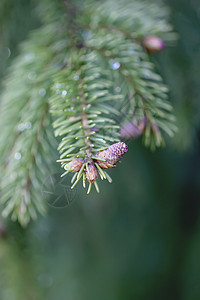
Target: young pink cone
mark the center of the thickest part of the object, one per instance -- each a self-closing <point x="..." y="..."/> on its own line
<point x="153" y="44"/>
<point x="132" y="131"/>
<point x="74" y="165"/>
<point x="91" y="173"/>
<point x="112" y="155"/>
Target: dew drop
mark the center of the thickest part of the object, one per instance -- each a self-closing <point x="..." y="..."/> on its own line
<point x="117" y="89"/>
<point x="32" y="76"/>
<point x="86" y="34"/>
<point x="76" y="77"/>
<point x="29" y="57"/>
<point x="64" y="93"/>
<point x="28" y="125"/>
<point x="71" y="108"/>
<point x="58" y="85"/>
<point x="147" y="74"/>
<point x="21" y="127"/>
<point x="88" y="106"/>
<point x="42" y="92"/>
<point x="18" y="156"/>
<point x="115" y="65"/>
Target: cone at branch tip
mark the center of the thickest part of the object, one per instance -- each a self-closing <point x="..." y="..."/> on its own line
<point x="131" y="131"/>
<point x="74" y="165"/>
<point x="112" y="155"/>
<point x="91" y="172"/>
<point x="153" y="44"/>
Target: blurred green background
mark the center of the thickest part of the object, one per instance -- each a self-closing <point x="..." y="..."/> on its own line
<point x="140" y="237"/>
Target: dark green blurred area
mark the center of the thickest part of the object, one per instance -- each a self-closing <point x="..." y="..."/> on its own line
<point x="140" y="238"/>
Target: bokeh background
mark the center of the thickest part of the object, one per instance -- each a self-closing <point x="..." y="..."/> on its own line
<point x="140" y="237"/>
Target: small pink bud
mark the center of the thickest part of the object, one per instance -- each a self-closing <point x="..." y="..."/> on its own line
<point x="153" y="44"/>
<point x="129" y="131"/>
<point x="74" y="165"/>
<point x="91" y="173"/>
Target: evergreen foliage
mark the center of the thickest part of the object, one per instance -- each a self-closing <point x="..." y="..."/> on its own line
<point x="86" y="68"/>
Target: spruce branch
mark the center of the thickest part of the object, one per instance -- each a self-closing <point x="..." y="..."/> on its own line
<point x="81" y="103"/>
<point x="132" y="67"/>
<point x="89" y="68"/>
<point x="134" y="19"/>
<point x="27" y="142"/>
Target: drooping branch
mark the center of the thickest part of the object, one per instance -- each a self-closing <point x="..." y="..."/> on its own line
<point x="92" y="71"/>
